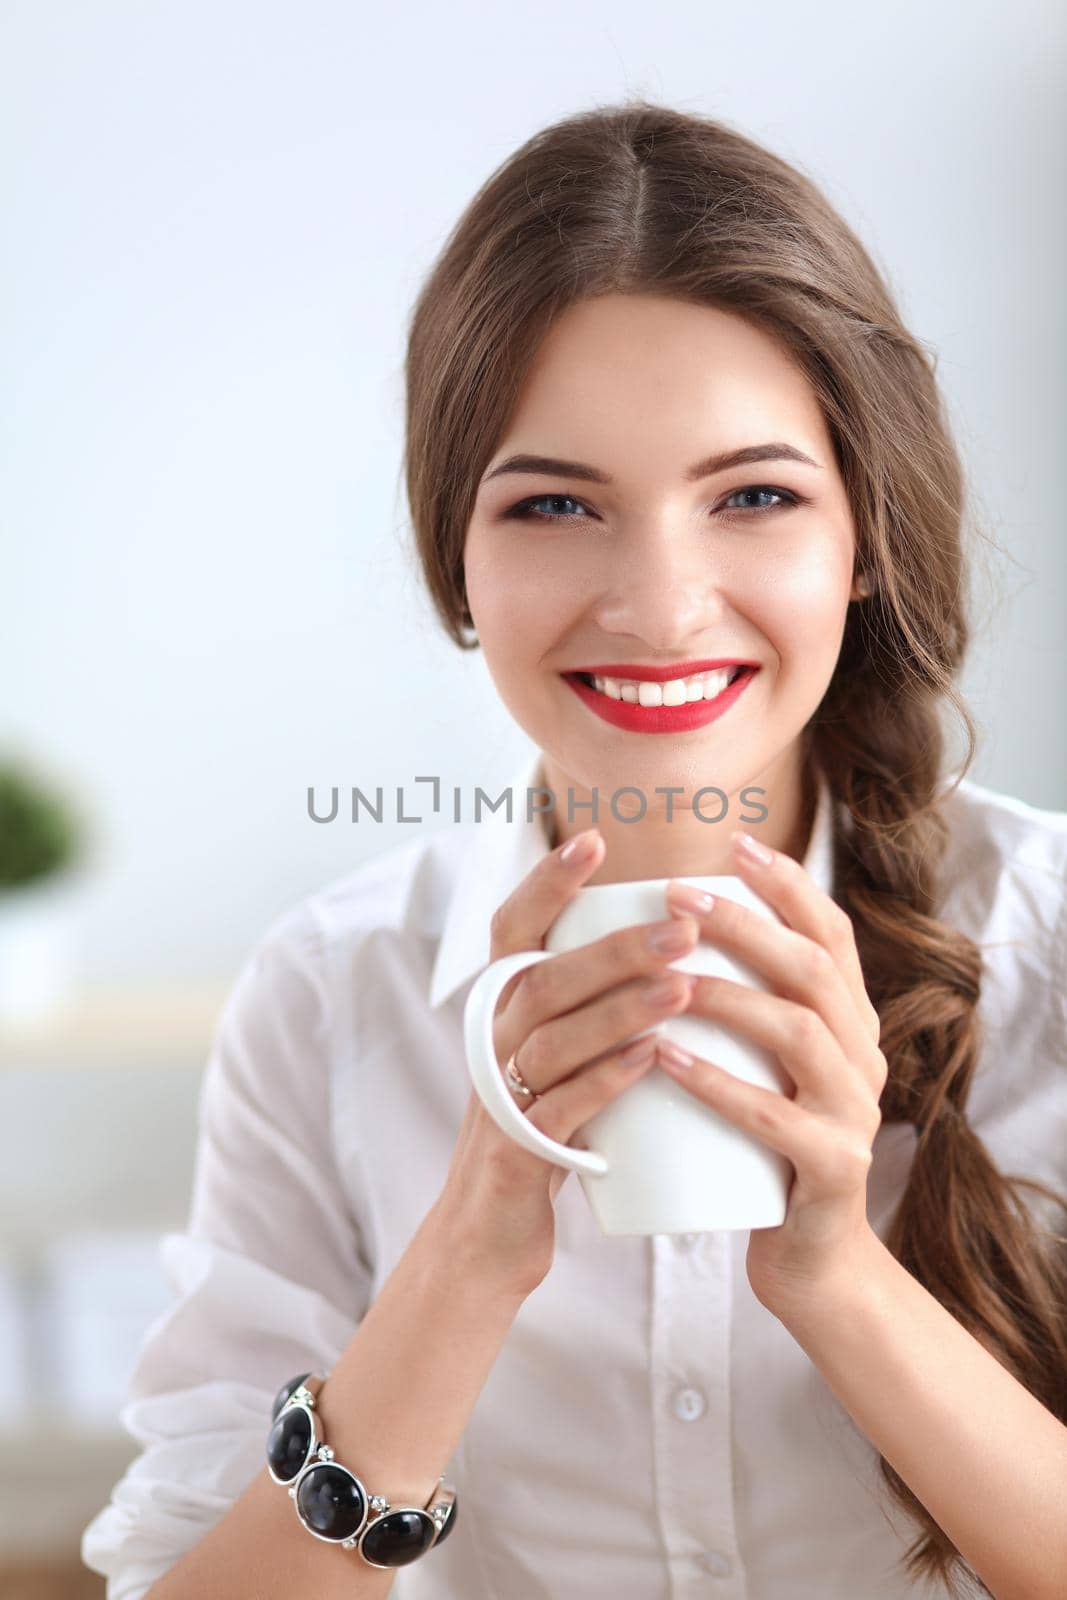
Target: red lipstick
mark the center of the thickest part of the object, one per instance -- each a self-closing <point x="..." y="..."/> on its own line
<point x="660" y="719"/>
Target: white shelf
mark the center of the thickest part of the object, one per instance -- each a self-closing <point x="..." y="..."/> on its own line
<point x="115" y="1026"/>
<point x="104" y="1094"/>
<point x="102" y="1168"/>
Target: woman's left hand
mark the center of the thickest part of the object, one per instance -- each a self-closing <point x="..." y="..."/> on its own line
<point x="822" y="1027"/>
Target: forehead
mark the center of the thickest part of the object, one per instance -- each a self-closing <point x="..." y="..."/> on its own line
<point x="663" y="378"/>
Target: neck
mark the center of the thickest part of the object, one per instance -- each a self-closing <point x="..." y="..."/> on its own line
<point x="684" y="842"/>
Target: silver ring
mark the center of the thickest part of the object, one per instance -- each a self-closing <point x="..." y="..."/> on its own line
<point x="516" y="1080"/>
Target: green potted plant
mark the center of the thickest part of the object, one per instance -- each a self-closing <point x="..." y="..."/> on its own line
<point x="42" y="836"/>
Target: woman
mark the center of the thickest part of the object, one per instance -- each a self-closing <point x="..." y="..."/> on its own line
<point x="663" y="421"/>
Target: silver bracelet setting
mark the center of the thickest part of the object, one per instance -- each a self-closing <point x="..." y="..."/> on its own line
<point x="332" y="1502"/>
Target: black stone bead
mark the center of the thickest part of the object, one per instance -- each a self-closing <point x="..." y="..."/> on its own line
<point x="285" y="1391"/>
<point x="330" y="1501"/>
<point x="399" y="1537"/>
<point x="288" y="1443"/>
<point x="448" y="1524"/>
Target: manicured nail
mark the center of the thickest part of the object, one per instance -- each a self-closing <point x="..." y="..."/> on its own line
<point x="684" y="894"/>
<point x="673" y="938"/>
<point x="638" y="1050"/>
<point x="674" y="1053"/>
<point x="664" y="991"/>
<point x="753" y="849"/>
<point x="580" y="848"/>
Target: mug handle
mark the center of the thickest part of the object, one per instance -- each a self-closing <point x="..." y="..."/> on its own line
<point x="488" y="1079"/>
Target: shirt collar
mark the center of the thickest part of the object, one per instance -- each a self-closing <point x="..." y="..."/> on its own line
<point x="500" y="853"/>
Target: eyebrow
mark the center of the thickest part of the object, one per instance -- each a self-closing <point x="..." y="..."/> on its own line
<point x="549" y="467"/>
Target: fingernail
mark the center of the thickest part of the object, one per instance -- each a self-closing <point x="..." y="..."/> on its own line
<point x="638" y="1050"/>
<point x="663" y="991"/>
<point x="698" y="900"/>
<point x="580" y="848"/>
<point x="674" y="1053"/>
<point x="752" y="848"/>
<point x="673" y="939"/>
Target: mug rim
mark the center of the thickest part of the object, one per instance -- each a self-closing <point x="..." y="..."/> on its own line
<point x="700" y="880"/>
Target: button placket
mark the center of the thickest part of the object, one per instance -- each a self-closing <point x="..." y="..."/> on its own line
<point x="692" y="1298"/>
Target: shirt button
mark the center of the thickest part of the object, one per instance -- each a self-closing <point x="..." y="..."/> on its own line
<point x="718" y="1563"/>
<point x="689" y="1404"/>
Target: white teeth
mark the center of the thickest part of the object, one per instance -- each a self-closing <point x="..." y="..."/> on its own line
<point x="676" y="692"/>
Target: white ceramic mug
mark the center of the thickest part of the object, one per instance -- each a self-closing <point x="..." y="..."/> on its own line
<point x="655" y="1159"/>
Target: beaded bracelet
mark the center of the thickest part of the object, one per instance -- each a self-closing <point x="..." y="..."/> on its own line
<point x="331" y="1501"/>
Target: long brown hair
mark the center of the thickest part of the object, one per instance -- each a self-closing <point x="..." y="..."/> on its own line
<point x="640" y="198"/>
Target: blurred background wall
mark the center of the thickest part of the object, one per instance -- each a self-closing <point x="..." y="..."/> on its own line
<point x="217" y="217"/>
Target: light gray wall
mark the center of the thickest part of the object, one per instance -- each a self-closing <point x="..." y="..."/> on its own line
<point x="218" y="215"/>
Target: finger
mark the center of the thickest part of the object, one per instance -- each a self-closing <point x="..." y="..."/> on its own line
<point x="569" y="1105"/>
<point x="555" y="1048"/>
<point x="575" y="978"/>
<point x="521" y="921"/>
<point x="786" y="885"/>
<point x="831" y="1157"/>
<point x="795" y="1034"/>
<point x="795" y="966"/>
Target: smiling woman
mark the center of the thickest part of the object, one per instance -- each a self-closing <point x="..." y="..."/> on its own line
<point x="673" y="456"/>
<point x="679" y="289"/>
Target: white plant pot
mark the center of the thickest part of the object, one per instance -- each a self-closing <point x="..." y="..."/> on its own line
<point x="37" y="950"/>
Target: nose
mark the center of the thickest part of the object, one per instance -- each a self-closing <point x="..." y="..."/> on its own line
<point x="662" y="589"/>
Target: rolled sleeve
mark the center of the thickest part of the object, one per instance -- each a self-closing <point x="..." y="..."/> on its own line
<point x="269" y="1279"/>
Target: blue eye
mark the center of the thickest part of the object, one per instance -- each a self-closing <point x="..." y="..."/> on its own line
<point x="526" y="509"/>
<point x="782" y="495"/>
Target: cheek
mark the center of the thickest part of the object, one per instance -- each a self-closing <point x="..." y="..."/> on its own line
<point x="801" y="606"/>
<point x="516" y="596"/>
<point x="489" y="592"/>
<point x="509" y="611"/>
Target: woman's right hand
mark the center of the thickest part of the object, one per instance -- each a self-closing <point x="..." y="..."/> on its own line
<point x="565" y="1020"/>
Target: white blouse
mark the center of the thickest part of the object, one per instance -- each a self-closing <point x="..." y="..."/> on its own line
<point x="649" y="1431"/>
